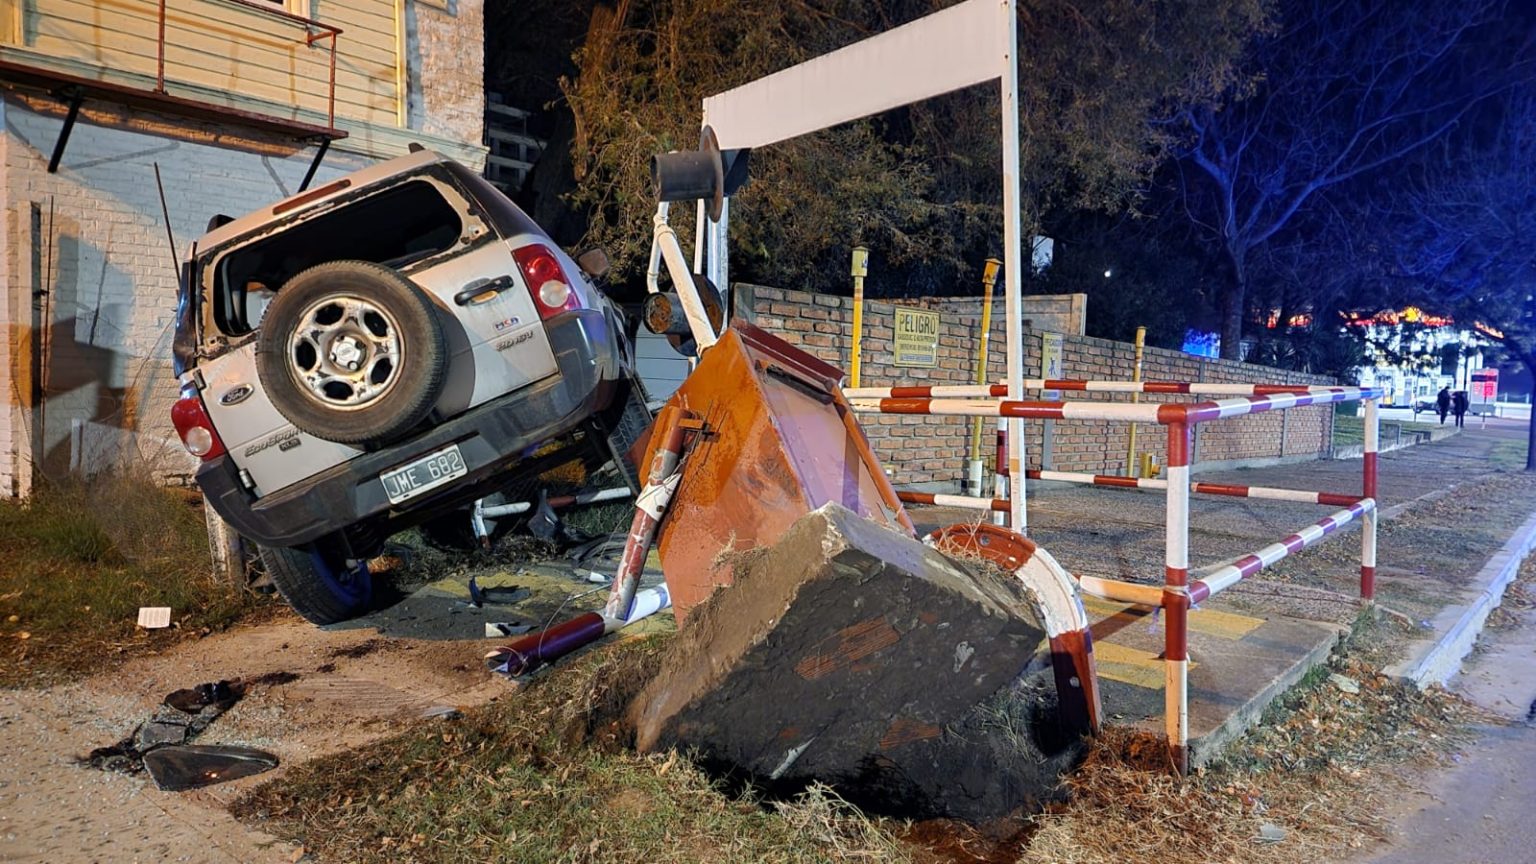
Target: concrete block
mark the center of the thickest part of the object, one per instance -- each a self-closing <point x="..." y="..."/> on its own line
<point x="854" y="655"/>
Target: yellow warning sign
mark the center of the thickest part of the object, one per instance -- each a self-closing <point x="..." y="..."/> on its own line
<point x="917" y="338"/>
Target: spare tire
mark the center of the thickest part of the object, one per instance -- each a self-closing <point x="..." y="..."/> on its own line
<point x="352" y="352"/>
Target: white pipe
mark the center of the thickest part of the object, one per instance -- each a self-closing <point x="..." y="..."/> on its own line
<point x="653" y="271"/>
<point x="499" y="510"/>
<point x="1013" y="266"/>
<point x="704" y="335"/>
<point x="1122" y="592"/>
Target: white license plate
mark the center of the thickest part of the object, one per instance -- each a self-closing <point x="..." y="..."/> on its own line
<point x="423" y="475"/>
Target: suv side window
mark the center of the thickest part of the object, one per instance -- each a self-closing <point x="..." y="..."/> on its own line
<point x="397" y="227"/>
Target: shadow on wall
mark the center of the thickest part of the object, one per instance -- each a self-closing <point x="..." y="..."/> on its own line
<point x="83" y="395"/>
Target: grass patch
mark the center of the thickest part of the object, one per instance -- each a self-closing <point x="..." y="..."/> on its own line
<point x="548" y="775"/>
<point x="78" y="559"/>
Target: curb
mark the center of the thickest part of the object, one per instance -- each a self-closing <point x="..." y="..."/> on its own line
<point x="1434" y="661"/>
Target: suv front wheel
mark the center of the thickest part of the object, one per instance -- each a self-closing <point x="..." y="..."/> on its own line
<point x="319" y="582"/>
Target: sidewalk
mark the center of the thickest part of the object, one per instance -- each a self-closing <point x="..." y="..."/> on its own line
<point x="1447" y="508"/>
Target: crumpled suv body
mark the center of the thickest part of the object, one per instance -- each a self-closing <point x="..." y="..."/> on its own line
<point x="381" y="350"/>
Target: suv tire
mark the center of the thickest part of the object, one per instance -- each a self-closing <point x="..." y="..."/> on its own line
<point x="352" y="352"/>
<point x="319" y="583"/>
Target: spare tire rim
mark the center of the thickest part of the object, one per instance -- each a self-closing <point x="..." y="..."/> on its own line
<point x="346" y="352"/>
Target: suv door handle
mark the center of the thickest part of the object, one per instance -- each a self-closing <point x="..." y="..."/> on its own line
<point x="477" y="289"/>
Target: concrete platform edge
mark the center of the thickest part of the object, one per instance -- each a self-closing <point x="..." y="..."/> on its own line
<point x="1435" y="660"/>
<point x="1207" y="747"/>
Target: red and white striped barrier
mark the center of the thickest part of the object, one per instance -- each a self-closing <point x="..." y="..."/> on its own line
<point x="1227" y="575"/>
<point x="984" y="391"/>
<point x="1177" y="593"/>
<point x="1272" y="493"/>
<point x="1125" y="412"/>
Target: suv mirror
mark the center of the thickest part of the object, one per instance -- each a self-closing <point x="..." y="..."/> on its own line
<point x="594" y="263"/>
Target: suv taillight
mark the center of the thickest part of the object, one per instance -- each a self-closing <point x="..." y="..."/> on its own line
<point x="551" y="289"/>
<point x="191" y="421"/>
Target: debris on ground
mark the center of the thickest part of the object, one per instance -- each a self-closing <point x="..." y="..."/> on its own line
<point x="180" y="767"/>
<point x="154" y="617"/>
<point x="159" y="744"/>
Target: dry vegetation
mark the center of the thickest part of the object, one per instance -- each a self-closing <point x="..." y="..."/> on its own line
<point x="548" y="775"/>
<point x="1310" y="783"/>
<point x="78" y="559"/>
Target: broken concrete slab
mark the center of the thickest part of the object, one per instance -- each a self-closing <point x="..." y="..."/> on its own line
<point x="855" y="655"/>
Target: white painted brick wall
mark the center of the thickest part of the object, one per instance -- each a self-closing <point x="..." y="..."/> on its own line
<point x="112" y="283"/>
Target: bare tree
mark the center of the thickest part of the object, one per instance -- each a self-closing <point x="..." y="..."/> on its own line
<point x="1468" y="218"/>
<point x="1341" y="88"/>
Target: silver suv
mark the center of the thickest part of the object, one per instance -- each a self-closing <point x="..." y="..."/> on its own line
<point x="376" y="352"/>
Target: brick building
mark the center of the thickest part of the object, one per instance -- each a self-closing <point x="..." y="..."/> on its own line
<point x="236" y="102"/>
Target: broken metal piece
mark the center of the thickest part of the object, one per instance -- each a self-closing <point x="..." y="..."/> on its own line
<point x="179" y="767"/>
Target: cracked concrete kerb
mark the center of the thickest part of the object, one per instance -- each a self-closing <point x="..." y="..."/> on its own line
<point x="1455" y="630"/>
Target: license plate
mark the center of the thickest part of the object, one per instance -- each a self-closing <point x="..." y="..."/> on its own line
<point x="423" y="475"/>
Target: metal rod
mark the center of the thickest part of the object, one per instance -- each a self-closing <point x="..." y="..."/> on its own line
<point x="69" y="126"/>
<point x="1013" y="265"/>
<point x="1368" y="489"/>
<point x="314" y="164"/>
<point x="649" y="508"/>
<point x="1221" y="578"/>
<point x="497" y="511"/>
<point x="1195" y="388"/>
<point x="1130" y="443"/>
<point x="1186" y="412"/>
<point x="988" y="282"/>
<point x="859" y="270"/>
<point x="160" y="53"/>
<point x="330" y="105"/>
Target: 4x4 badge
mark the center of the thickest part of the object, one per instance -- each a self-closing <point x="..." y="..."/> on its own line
<point x="236" y="394"/>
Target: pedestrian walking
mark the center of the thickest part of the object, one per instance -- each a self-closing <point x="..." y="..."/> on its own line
<point x="1443" y="403"/>
<point x="1459" y="407"/>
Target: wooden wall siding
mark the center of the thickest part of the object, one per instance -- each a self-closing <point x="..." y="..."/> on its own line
<point x="234" y="50"/>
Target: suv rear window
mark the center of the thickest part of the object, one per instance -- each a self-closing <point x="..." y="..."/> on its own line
<point x="396" y="227"/>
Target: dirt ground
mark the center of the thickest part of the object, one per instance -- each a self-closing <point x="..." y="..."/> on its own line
<point x="351" y="687"/>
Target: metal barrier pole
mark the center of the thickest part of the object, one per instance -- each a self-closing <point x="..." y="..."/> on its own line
<point x="860" y="270"/>
<point x="1000" y="476"/>
<point x="1368" y="527"/>
<point x="1176" y="600"/>
<point x="973" y="465"/>
<point x="1130" y="444"/>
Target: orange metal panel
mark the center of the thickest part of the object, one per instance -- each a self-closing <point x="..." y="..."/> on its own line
<point x="780" y="441"/>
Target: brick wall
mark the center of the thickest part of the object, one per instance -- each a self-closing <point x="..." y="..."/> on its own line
<point x="445" y="66"/>
<point x="823" y="325"/>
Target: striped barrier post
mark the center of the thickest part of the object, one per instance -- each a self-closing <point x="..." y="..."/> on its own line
<point x="1176" y="600"/>
<point x="1000" y="476"/>
<point x="1368" y="527"/>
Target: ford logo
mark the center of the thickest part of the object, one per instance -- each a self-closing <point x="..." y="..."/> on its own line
<point x="236" y="394"/>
